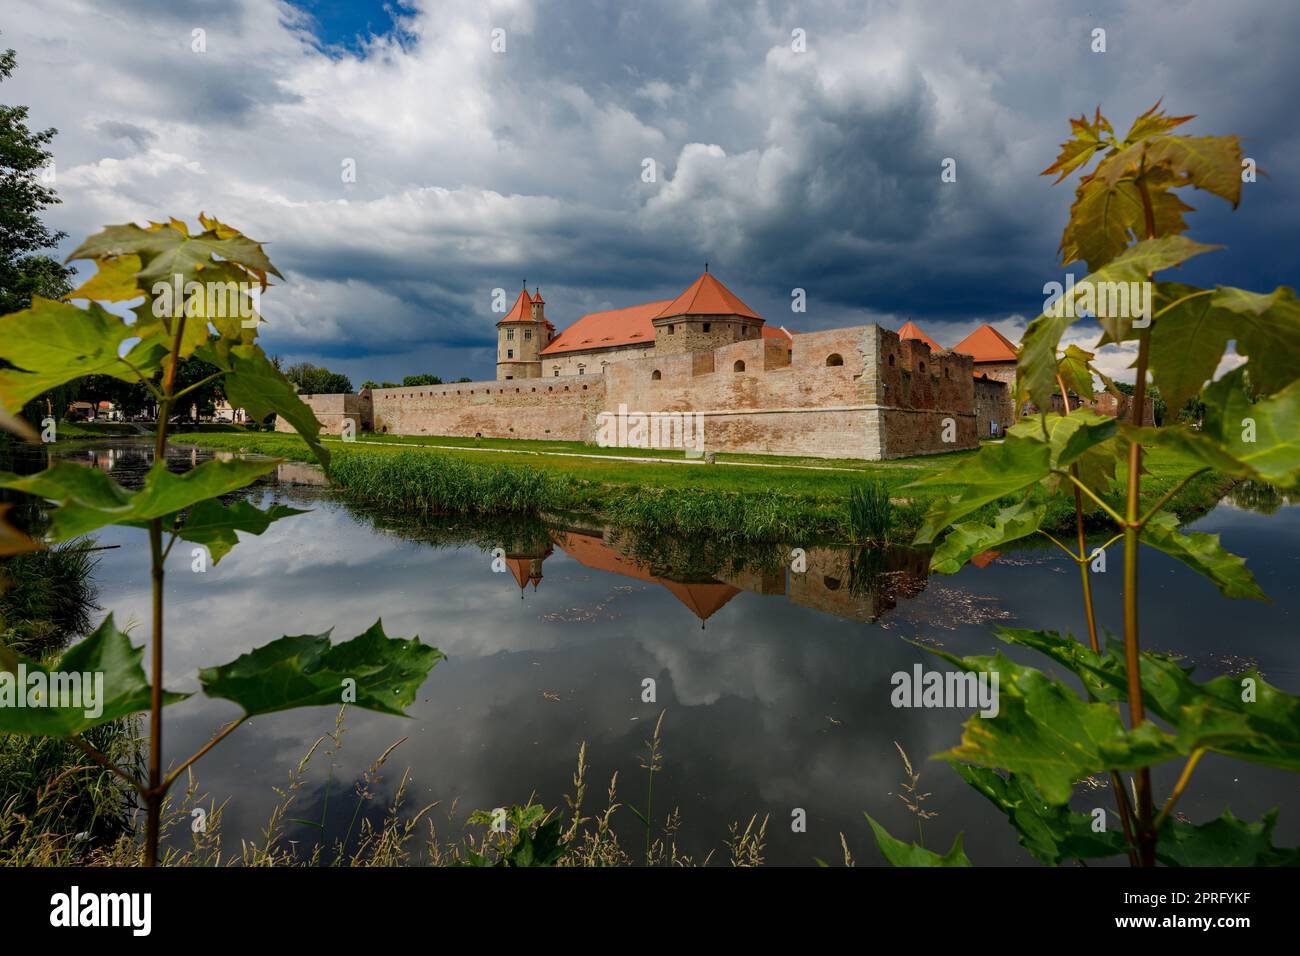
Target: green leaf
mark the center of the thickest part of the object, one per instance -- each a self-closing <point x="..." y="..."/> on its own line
<point x="996" y="471"/>
<point x="1212" y="163"/>
<point x="1213" y="715"/>
<point x="1046" y="733"/>
<point x="1187" y="342"/>
<point x="106" y="665"/>
<point x="898" y="853"/>
<point x="1068" y="436"/>
<point x="1267" y="330"/>
<point x="90" y="499"/>
<point x="167" y="250"/>
<point x="1106" y="217"/>
<point x="970" y="538"/>
<point x="1037" y="364"/>
<point x="113" y="282"/>
<point x="257" y="386"/>
<point x="1051" y="832"/>
<point x="1261" y="435"/>
<point x="1076" y="371"/>
<point x="1226" y="841"/>
<point x="307" y="671"/>
<point x="212" y="524"/>
<point x="51" y="343"/>
<point x="1204" y="555"/>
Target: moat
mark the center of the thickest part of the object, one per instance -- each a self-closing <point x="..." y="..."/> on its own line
<point x="776" y="683"/>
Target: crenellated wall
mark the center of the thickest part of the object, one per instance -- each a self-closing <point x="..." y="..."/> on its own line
<point x="842" y="393"/>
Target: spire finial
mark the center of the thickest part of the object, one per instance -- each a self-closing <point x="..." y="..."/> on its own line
<point x="706" y="267"/>
<point x="525" y="285"/>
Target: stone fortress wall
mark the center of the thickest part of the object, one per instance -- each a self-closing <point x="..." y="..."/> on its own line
<point x="857" y="392"/>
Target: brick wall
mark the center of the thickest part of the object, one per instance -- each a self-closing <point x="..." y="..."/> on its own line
<point x="843" y="393"/>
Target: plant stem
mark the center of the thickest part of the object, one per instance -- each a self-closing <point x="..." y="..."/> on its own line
<point x="1180" y="786"/>
<point x="1116" y="785"/>
<point x="1132" y="647"/>
<point x="1168" y="495"/>
<point x="157" y="789"/>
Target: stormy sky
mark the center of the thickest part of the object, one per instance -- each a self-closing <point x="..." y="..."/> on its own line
<point x="816" y="169"/>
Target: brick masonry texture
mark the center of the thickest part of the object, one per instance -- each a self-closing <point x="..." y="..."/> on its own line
<point x="856" y="392"/>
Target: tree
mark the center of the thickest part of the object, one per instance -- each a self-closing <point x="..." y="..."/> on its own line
<point x="315" y="380"/>
<point x="421" y="379"/>
<point x="24" y="271"/>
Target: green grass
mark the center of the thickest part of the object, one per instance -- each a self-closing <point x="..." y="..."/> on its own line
<point x="727" y="500"/>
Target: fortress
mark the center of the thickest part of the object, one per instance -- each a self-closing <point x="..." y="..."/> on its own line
<point x="860" y="392"/>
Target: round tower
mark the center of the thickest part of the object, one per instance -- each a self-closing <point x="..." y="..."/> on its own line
<point x="521" y="335"/>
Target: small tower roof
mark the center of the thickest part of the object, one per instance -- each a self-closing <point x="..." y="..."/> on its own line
<point x="987" y="344"/>
<point x="519" y="312"/>
<point x="911" y="330"/>
<point x="707" y="296"/>
<point x="537" y="297"/>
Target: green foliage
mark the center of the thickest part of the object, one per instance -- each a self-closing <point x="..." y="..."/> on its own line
<point x="970" y="538"/>
<point x="871" y="514"/>
<point x="1202" y="553"/>
<point x="24" y="271"/>
<point x="372" y="671"/>
<point x="212" y="524"/>
<point x="536" y="842"/>
<point x="197" y="339"/>
<point x="315" y="380"/>
<point x="108" y="651"/>
<point x="90" y="499"/>
<point x="421" y="379"/>
<point x="899" y="853"/>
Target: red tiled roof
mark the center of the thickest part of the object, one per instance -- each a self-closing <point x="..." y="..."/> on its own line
<point x="702" y="598"/>
<point x="911" y="330"/>
<point x="520" y="311"/>
<point x="774" y="332"/>
<point x="987" y="344"/>
<point x="602" y="330"/>
<point x="708" y="296"/>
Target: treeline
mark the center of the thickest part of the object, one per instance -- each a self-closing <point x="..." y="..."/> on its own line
<point x="413" y="380"/>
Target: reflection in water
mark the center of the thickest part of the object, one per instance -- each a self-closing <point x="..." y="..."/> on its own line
<point x="551" y="627"/>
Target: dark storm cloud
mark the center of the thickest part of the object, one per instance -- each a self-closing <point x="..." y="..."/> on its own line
<point x="818" y="170"/>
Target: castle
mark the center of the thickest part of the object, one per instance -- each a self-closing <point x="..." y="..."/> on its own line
<point x="859" y="392"/>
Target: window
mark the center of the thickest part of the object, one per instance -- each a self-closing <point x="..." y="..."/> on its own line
<point x="922" y="368"/>
<point x="655" y="375"/>
<point x="582" y="370"/>
<point x="528" y="335"/>
<point x="670" y="330"/>
<point x="510" y="353"/>
<point x="738" y="367"/>
<point x="510" y="334"/>
<point x="557" y="371"/>
<point x="891" y="361"/>
<point x="834" y="359"/>
<point x="706" y="326"/>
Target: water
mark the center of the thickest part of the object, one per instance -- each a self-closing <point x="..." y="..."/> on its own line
<point x="776" y="687"/>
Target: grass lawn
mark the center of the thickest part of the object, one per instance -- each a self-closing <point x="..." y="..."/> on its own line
<point x="802" y="499"/>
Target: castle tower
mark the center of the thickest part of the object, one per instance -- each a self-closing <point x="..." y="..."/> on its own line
<point x="521" y="334"/>
<point x="705" y="316"/>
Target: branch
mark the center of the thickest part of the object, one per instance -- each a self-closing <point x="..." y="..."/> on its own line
<point x="104" y="762"/>
<point x="199" y="384"/>
<point x="1180" y="786"/>
<point x="171" y="777"/>
<point x="1167" y="496"/>
<point x="153" y="389"/>
<point x="1089" y="492"/>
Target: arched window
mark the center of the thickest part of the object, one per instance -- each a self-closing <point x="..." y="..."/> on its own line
<point x="656" y="375"/>
<point x="739" y="366"/>
<point x="891" y="361"/>
<point x="922" y="368"/>
<point x="834" y="359"/>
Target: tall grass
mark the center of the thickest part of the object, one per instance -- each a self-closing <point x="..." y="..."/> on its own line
<point x="46" y="597"/>
<point x="871" y="515"/>
<point x="435" y="484"/>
